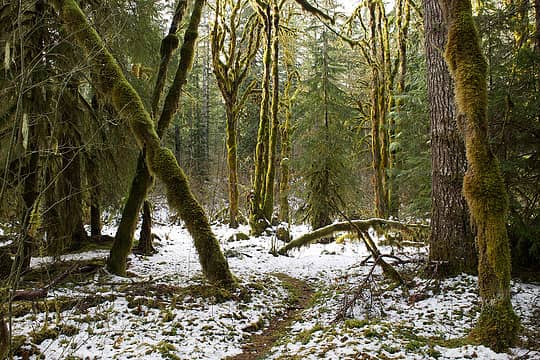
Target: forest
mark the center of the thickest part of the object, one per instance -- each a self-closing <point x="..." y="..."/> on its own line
<point x="269" y="179"/>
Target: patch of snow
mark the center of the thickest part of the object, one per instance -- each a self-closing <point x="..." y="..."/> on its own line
<point x="126" y="318"/>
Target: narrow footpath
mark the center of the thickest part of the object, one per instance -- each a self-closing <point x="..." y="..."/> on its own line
<point x="258" y="345"/>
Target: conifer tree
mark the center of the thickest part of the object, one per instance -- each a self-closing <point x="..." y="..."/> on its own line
<point x="451" y="239"/>
<point x="321" y="133"/>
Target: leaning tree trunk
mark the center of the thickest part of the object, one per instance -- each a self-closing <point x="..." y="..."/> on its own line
<point x="142" y="180"/>
<point x="113" y="85"/>
<point x="483" y="183"/>
<point x="452" y="241"/>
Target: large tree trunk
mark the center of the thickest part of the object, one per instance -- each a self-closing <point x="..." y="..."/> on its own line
<point x="231" y="65"/>
<point x="284" y="186"/>
<point x="142" y="180"/>
<point x="112" y="84"/>
<point x="232" y="164"/>
<point x="257" y="220"/>
<point x="483" y="183"/>
<point x="378" y="128"/>
<point x="451" y="242"/>
<point x="32" y="107"/>
<point x="268" y="205"/>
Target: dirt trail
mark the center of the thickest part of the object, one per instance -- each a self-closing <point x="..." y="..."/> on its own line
<point x="259" y="344"/>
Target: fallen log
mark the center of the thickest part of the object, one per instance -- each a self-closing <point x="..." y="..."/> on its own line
<point x="348" y="226"/>
<point x="34" y="294"/>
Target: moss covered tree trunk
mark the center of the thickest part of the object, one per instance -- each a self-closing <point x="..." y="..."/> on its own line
<point x="92" y="175"/>
<point x="268" y="205"/>
<point x="161" y="161"/>
<point x="285" y="129"/>
<point x="451" y="244"/>
<point x="142" y="181"/>
<point x="232" y="56"/>
<point x="33" y="103"/>
<point x="537" y="44"/>
<point x="378" y="128"/>
<point x="483" y="183"/>
<point x="232" y="164"/>
<point x="257" y="220"/>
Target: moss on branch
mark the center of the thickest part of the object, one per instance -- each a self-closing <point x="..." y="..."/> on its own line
<point x="112" y="83"/>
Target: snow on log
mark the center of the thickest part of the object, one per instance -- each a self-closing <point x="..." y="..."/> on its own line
<point x="349" y="226"/>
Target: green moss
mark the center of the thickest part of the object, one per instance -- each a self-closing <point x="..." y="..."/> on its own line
<point x="497" y="327"/>
<point x="433" y="353"/>
<point x="167" y="316"/>
<point x="355" y="323"/>
<point x="389" y="349"/>
<point x="167" y="350"/>
<point x="169" y="44"/>
<point x="137" y="302"/>
<point x="69" y="330"/>
<point x="305" y="335"/>
<point x="128" y="104"/>
<point x="483" y="185"/>
<point x="43" y="334"/>
<point x="23" y="349"/>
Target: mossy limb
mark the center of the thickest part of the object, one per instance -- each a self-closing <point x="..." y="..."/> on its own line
<point x="128" y="104"/>
<point x="483" y="184"/>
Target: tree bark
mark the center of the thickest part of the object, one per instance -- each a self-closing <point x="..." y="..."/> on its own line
<point x="65" y="226"/>
<point x="112" y="84"/>
<point x="451" y="241"/>
<point x="143" y="180"/>
<point x="231" y="65"/>
<point x="483" y="184"/>
<point x="348" y="226"/>
<point x="232" y="164"/>
<point x="257" y="220"/>
<point x="377" y="120"/>
<point x="284" y="186"/>
<point x="145" y="246"/>
<point x="95" y="201"/>
<point x="268" y="205"/>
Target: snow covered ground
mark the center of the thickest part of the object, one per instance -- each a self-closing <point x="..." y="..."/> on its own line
<point x="166" y="311"/>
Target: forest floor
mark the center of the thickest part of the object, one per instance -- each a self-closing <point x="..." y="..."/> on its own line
<point x="320" y="302"/>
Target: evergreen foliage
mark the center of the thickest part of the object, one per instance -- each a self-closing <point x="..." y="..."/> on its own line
<point x="324" y="141"/>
